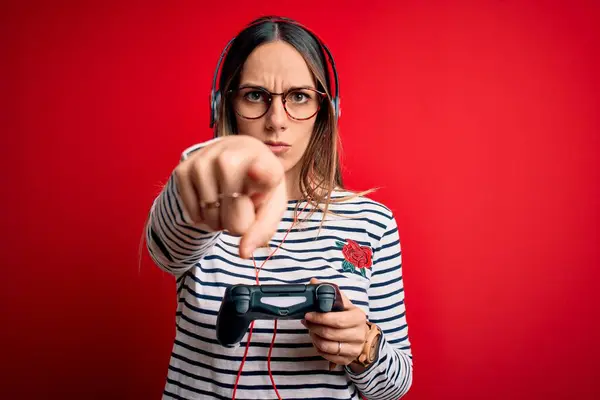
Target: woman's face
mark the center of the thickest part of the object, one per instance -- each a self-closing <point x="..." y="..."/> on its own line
<point x="277" y="67"/>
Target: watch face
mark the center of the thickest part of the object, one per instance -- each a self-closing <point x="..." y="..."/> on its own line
<point x="373" y="351"/>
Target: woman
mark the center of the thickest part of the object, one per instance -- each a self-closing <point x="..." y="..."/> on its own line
<point x="264" y="203"/>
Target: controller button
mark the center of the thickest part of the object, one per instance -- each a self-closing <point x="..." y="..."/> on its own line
<point x="240" y="291"/>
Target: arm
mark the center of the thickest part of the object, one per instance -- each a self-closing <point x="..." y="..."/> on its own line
<point x="173" y="241"/>
<point x="390" y="376"/>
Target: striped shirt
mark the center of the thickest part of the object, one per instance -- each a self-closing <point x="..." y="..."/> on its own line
<point x="204" y="263"/>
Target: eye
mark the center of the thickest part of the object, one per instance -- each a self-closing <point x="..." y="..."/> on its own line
<point x="298" y="97"/>
<point x="254" y="96"/>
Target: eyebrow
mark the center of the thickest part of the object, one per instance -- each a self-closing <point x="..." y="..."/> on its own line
<point x="254" y="85"/>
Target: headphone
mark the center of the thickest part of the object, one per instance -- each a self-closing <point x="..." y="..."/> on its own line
<point x="216" y="95"/>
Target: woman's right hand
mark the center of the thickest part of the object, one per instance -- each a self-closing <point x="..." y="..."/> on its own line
<point x="235" y="164"/>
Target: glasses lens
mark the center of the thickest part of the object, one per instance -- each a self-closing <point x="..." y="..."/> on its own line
<point x="302" y="103"/>
<point x="251" y="102"/>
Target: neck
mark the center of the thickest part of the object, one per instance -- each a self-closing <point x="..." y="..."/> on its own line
<point x="292" y="183"/>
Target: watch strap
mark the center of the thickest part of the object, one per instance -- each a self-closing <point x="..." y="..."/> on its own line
<point x="371" y="346"/>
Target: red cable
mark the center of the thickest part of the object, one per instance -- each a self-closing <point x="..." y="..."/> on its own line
<point x="237" y="379"/>
<point x="269" y="360"/>
<point x="257" y="271"/>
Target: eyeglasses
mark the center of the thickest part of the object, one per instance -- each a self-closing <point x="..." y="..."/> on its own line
<point x="252" y="102"/>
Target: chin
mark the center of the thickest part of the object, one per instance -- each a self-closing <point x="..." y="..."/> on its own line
<point x="289" y="165"/>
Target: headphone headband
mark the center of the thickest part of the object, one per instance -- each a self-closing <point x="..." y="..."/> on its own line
<point x="216" y="95"/>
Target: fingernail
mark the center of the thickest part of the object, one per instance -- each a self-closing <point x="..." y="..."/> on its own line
<point x="247" y="250"/>
<point x="308" y="316"/>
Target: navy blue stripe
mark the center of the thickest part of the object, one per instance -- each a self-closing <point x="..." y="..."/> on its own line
<point x="396" y="329"/>
<point x="280" y="331"/>
<point x="275" y="243"/>
<point x="301" y="281"/>
<point x="328" y="228"/>
<point x="181" y="314"/>
<point x="387" y="245"/>
<point x="404" y="367"/>
<point x="173" y="194"/>
<point x="373" y="381"/>
<point x="399" y="341"/>
<point x="168" y="234"/>
<point x="307" y="221"/>
<point x="198" y="309"/>
<point x="196" y="390"/>
<point x="306" y="345"/>
<point x="248" y="358"/>
<point x="311" y="240"/>
<point x="393" y="268"/>
<point x="275" y="372"/>
<point x="396" y="279"/>
<point x="173" y="395"/>
<point x="160" y="244"/>
<point x="255" y="387"/>
<point x="344" y="212"/>
<point x="388" y="319"/>
<point x="361" y="201"/>
<point x="277" y="270"/>
<point x="390" y="257"/>
<point x="287" y="257"/>
<point x="388" y="307"/>
<point x="171" y="217"/>
<point x="219" y="299"/>
<point x="157" y="261"/>
<point x="384" y="296"/>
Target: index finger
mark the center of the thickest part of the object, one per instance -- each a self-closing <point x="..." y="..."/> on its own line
<point x="268" y="216"/>
<point x="340" y="320"/>
<point x="265" y="172"/>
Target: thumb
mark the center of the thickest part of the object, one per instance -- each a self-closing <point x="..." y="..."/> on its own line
<point x="345" y="300"/>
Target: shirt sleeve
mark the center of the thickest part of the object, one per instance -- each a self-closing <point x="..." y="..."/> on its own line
<point x="173" y="241"/>
<point x="390" y="377"/>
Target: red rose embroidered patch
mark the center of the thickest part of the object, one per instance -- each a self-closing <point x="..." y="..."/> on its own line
<point x="355" y="256"/>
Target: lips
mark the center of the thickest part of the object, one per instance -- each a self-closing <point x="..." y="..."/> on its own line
<point x="269" y="143"/>
<point x="278" y="147"/>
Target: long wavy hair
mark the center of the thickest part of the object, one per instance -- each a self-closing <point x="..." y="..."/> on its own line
<point x="320" y="172"/>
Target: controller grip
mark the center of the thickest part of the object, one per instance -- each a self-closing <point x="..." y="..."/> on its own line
<point x="230" y="331"/>
<point x="232" y="324"/>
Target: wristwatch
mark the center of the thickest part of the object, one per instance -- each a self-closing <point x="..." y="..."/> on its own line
<point x="371" y="347"/>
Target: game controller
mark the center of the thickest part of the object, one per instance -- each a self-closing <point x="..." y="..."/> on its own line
<point x="243" y="304"/>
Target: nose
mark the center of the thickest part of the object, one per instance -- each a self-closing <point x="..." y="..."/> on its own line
<point x="277" y="119"/>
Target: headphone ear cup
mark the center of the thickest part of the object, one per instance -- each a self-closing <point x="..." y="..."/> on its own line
<point x="214" y="107"/>
<point x="336" y="107"/>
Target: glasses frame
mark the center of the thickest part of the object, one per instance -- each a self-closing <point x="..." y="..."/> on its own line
<point x="320" y="95"/>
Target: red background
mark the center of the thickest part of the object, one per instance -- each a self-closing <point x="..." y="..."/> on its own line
<point x="479" y="121"/>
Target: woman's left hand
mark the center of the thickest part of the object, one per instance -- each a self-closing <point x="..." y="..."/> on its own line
<point x="338" y="336"/>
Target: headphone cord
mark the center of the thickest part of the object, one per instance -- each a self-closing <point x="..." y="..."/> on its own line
<point x="257" y="272"/>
